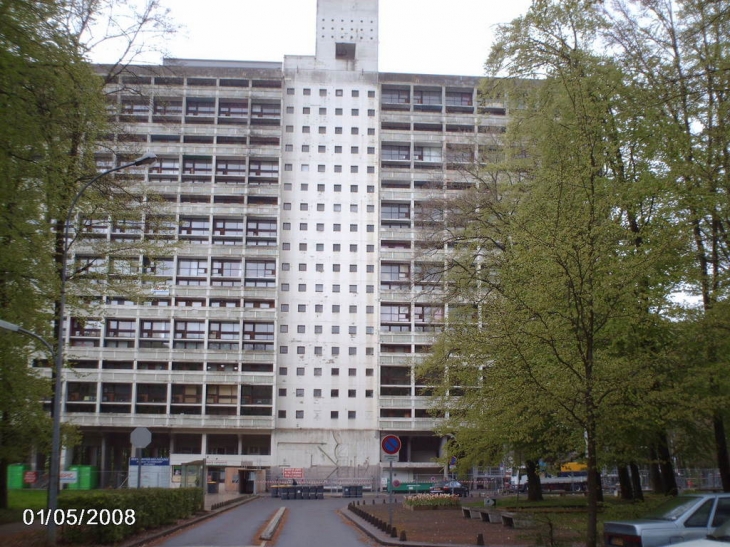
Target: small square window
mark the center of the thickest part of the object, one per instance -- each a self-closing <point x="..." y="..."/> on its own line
<point x="353" y="248"/>
<point x="318" y="350"/>
<point x="299" y="392"/>
<point x="353" y="268"/>
<point x="305" y="148"/>
<point x="322" y="130"/>
<point x="318" y="371"/>
<point x="335" y="371"/>
<point x="284" y="307"/>
<point x="354" y="149"/>
<point x="354" y="131"/>
<point x="281" y="413"/>
<point x="353" y="188"/>
<point x="371" y="112"/>
<point x="290" y="91"/>
<point x="300" y="371"/>
<point x="322" y="92"/>
<point x="321" y="149"/>
<point x="353" y="169"/>
<point x="355" y="93"/>
<point x="320" y="168"/>
<point x="338" y="131"/>
<point x="317" y="329"/>
<point x="318" y="308"/>
<point x="338" y="187"/>
<point x="352" y="372"/>
<point x="335" y="329"/>
<point x="336" y="247"/>
<point x="338" y="150"/>
<point x="371" y="94"/>
<point x="369" y="351"/>
<point x="320" y="227"/>
<point x="371" y="131"/>
<point x="288" y="148"/>
<point x="355" y="112"/>
<point x="351" y="414"/>
<point x="334" y="414"/>
<point x="300" y="414"/>
<point x="335" y="308"/>
<point x="334" y="393"/>
<point x="319" y="287"/>
<point x="353" y="227"/>
<point x="335" y="351"/>
<point x="371" y="169"/>
<point x="320" y="188"/>
<point x="282" y="392"/>
<point x="369" y="393"/>
<point x="352" y="393"/>
<point x="290" y="129"/>
<point x="335" y="267"/>
<point x="288" y="167"/>
<point x="285" y="287"/>
<point x="320" y="247"/>
<point x="284" y="329"/>
<point x="302" y="246"/>
<point x="369" y="372"/>
<point x="290" y="110"/>
<point x="317" y="393"/>
<point x="352" y="329"/>
<point x="302" y="308"/>
<point x="322" y="111"/>
<point x="305" y="110"/>
<point x="338" y="92"/>
<point x="338" y="112"/>
<point x="300" y="351"/>
<point x="338" y="169"/>
<point x="307" y="91"/>
<point x="305" y="167"/>
<point x="282" y="371"/>
<point x="302" y="287"/>
<point x="301" y="329"/>
<point x="305" y="129"/>
<point x="335" y="288"/>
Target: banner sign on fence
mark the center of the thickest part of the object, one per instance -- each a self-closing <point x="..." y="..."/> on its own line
<point x="293" y="472"/>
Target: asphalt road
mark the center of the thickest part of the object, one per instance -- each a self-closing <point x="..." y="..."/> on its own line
<point x="307" y="523"/>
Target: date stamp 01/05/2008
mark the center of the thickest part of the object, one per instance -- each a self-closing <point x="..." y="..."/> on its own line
<point x="80" y="517"/>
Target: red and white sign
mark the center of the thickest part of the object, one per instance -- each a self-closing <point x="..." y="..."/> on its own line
<point x="293" y="472"/>
<point x="30" y="477"/>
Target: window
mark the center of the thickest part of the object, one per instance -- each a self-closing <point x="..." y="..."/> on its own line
<point x="300" y="414"/>
<point x="281" y="414"/>
<point x="334" y="393"/>
<point x="351" y="414"/>
<point x="334" y="414"/>
<point x="352" y="393"/>
<point x="299" y="392"/>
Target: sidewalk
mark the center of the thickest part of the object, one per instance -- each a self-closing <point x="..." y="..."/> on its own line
<point x="214" y="504"/>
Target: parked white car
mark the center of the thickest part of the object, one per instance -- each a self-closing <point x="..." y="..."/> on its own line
<point x="680" y="519"/>
<point x="716" y="538"/>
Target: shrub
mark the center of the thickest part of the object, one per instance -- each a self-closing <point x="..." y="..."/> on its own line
<point x="122" y="513"/>
<point x="432" y="500"/>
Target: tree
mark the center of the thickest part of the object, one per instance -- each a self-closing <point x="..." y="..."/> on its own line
<point x="679" y="51"/>
<point x="53" y="113"/>
<point x="566" y="301"/>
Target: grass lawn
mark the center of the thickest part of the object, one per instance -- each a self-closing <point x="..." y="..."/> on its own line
<point x="19" y="500"/>
<point x="569" y="513"/>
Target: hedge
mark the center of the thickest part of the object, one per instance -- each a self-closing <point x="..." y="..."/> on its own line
<point x="123" y="513"/>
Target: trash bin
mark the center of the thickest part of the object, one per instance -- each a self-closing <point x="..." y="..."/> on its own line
<point x="212" y="487"/>
<point x="305" y="492"/>
<point x="320" y="492"/>
<point x="345" y="491"/>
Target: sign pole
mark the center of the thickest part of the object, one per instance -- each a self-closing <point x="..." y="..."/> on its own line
<point x="390" y="496"/>
<point x="139" y="467"/>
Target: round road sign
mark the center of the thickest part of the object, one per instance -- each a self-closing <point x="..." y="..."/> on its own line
<point x="141" y="437"/>
<point x="390" y="444"/>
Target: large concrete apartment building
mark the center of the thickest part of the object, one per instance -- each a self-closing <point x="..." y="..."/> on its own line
<point x="282" y="330"/>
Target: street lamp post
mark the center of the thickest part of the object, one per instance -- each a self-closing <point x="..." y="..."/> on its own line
<point x="55" y="468"/>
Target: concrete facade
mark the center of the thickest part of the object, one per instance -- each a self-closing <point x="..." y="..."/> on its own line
<point x="283" y="329"/>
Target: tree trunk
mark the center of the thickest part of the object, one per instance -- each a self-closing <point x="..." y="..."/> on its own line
<point x="624" y="480"/>
<point x="669" y="479"/>
<point x="723" y="459"/>
<point x="655" y="474"/>
<point x="534" y="488"/>
<point x="637" y="490"/>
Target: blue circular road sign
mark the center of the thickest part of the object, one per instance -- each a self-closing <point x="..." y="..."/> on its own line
<point x="390" y="444"/>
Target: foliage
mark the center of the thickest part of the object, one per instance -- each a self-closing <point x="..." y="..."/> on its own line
<point x="432" y="500"/>
<point x="152" y="507"/>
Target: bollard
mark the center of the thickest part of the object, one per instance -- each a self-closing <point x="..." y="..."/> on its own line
<point x="403" y="535"/>
<point x="394" y="532"/>
<point x="388" y="529"/>
<point x="384" y="501"/>
<point x="480" y="539"/>
<point x="373" y="501"/>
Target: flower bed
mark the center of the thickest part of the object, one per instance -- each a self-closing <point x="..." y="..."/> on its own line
<point x="431" y="501"/>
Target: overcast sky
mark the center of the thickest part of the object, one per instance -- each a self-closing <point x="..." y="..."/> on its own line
<point x="416" y="36"/>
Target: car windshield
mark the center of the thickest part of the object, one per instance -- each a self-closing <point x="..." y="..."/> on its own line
<point x="673" y="509"/>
